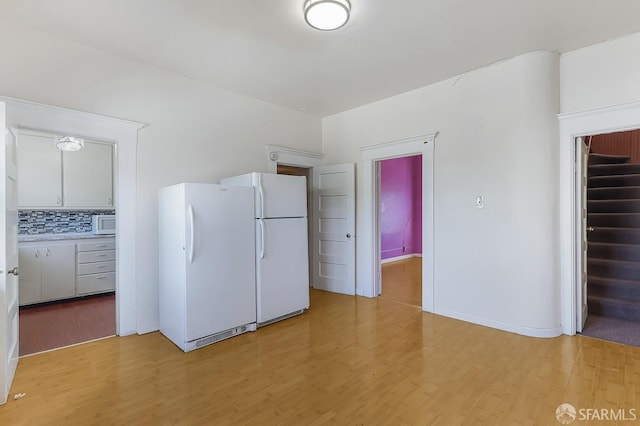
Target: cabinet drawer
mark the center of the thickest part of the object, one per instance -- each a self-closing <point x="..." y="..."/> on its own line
<point x="96" y="268"/>
<point x="96" y="256"/>
<point x="97" y="246"/>
<point x="96" y="283"/>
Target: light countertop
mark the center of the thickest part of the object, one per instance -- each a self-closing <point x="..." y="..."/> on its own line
<point x="29" y="238"/>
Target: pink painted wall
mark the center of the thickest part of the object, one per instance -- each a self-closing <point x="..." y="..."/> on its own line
<point x="401" y="206"/>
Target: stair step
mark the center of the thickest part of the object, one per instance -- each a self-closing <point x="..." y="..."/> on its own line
<point x="614" y="308"/>
<point x="614" y="220"/>
<point x="613" y="206"/>
<point x="614" y="169"/>
<point x="616" y="180"/>
<point x="614" y="193"/>
<point x="607" y="159"/>
<point x="619" y="269"/>
<point x="628" y="252"/>
<point x="614" y="235"/>
<point x="612" y="288"/>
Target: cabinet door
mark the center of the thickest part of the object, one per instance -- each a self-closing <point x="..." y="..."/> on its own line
<point x="88" y="176"/>
<point x="58" y="272"/>
<point x="30" y="277"/>
<point x="39" y="172"/>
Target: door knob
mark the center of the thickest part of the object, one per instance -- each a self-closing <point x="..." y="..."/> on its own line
<point x="348" y="235"/>
<point x="13" y="271"/>
<point x="590" y="229"/>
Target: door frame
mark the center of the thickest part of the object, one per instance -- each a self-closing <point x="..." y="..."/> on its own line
<point x="124" y="135"/>
<point x="617" y="118"/>
<point x="368" y="270"/>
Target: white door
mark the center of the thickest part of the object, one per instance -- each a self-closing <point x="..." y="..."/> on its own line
<point x="9" y="261"/>
<point x="581" y="181"/>
<point x="334" y="245"/>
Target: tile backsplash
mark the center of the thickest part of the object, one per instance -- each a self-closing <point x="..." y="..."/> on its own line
<point x="56" y="221"/>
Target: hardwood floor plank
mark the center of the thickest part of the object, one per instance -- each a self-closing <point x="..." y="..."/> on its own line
<point x="348" y="360"/>
<point x="402" y="281"/>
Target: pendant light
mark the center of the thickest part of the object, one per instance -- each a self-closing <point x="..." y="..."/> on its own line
<point x="327" y="15"/>
<point x="69" y="143"/>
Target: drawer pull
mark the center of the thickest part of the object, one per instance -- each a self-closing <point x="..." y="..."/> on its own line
<point x="100" y="255"/>
<point x="101" y="245"/>
<point x="101" y="277"/>
<point x="100" y="266"/>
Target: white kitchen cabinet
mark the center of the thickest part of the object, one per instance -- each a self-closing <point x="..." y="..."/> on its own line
<point x="96" y="266"/>
<point x="88" y="176"/>
<point x="47" y="272"/>
<point x="39" y="171"/>
<point x="49" y="178"/>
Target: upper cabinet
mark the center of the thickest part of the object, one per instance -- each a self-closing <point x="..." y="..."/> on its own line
<point x="49" y="178"/>
<point x="39" y="172"/>
<point x="87" y="177"/>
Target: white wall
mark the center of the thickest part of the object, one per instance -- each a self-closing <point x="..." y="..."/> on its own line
<point x="196" y="133"/>
<point x="601" y="75"/>
<point x="497" y="138"/>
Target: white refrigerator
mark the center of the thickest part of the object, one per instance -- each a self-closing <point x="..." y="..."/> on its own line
<point x="282" y="262"/>
<point x="206" y="272"/>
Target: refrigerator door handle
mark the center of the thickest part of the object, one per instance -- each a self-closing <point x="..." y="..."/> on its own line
<point x="192" y="233"/>
<point x="261" y="238"/>
<point x="261" y="191"/>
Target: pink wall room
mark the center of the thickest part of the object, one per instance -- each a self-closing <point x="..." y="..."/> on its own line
<point x="401" y="206"/>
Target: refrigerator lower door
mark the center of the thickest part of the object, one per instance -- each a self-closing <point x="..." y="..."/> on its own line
<point x="220" y="285"/>
<point x="282" y="267"/>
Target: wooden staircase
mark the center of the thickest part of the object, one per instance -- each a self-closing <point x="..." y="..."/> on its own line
<point x="613" y="217"/>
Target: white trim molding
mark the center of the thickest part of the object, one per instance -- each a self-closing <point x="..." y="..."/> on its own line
<point x="368" y="246"/>
<point x="124" y="134"/>
<point x="399" y="258"/>
<point x="512" y="328"/>
<point x="615" y="118"/>
<point x="292" y="157"/>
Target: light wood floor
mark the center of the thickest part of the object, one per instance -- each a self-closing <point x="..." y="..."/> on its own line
<point x="402" y="281"/>
<point x="347" y="361"/>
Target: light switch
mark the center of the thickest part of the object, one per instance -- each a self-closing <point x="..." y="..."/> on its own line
<point x="480" y="202"/>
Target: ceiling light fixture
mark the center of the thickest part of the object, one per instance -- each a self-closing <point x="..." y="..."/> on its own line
<point x="69" y="143"/>
<point x="327" y="15"/>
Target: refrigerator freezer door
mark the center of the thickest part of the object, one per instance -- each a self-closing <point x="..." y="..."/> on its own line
<point x="282" y="285"/>
<point x="220" y="250"/>
<point x="280" y="195"/>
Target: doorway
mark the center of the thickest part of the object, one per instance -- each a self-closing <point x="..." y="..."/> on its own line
<point x="613" y="237"/>
<point x="67" y="273"/>
<point x="399" y="188"/>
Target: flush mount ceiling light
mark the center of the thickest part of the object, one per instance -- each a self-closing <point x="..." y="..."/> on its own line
<point x="69" y="143"/>
<point x="327" y="15"/>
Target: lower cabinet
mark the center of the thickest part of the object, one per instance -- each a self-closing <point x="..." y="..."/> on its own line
<point x="47" y="272"/>
<point x="65" y="269"/>
<point x="96" y="266"/>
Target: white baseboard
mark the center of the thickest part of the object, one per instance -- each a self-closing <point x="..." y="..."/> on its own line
<point x="403" y="257"/>
<point x="512" y="328"/>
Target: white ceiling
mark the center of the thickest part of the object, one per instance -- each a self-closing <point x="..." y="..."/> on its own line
<point x="263" y="48"/>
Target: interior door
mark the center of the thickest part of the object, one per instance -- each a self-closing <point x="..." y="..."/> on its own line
<point x="334" y="246"/>
<point x="582" y="161"/>
<point x="8" y="261"/>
